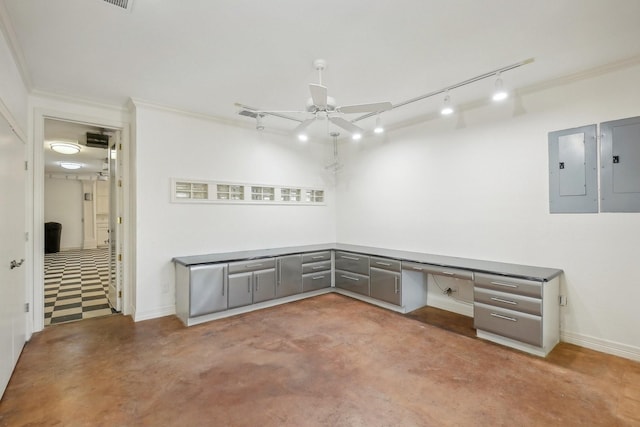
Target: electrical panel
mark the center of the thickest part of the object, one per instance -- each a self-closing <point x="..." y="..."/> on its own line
<point x="620" y="162"/>
<point x="573" y="178"/>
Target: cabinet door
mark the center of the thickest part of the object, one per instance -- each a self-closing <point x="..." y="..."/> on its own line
<point x="385" y="286"/>
<point x="240" y="289"/>
<point x="289" y="276"/>
<point x="264" y="285"/>
<point x="207" y="293"/>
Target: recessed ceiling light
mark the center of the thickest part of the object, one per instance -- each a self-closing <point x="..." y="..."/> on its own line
<point x="65" y="147"/>
<point x="70" y="165"/>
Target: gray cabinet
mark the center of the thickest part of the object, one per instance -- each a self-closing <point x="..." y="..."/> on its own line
<point x="251" y="282"/>
<point x="200" y="289"/>
<point x="385" y="280"/>
<point x="518" y="312"/>
<point x="352" y="272"/>
<point x="316" y="271"/>
<point x="289" y="275"/>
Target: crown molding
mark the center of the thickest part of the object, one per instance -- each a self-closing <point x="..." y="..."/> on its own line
<point x="18" y="56"/>
<point x="79" y="101"/>
<point x="137" y="102"/>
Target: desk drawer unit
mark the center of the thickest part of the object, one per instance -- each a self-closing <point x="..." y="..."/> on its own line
<point x="355" y="263"/>
<point x="316" y="257"/>
<point x="315" y="281"/>
<point x="510" y="285"/>
<point x="385" y="264"/>
<point x="512" y="324"/>
<point x="508" y="301"/>
<point x="352" y="282"/>
<point x="315" y="267"/>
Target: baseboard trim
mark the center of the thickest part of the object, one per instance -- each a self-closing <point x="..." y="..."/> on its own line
<point x="602" y="345"/>
<point x="152" y="314"/>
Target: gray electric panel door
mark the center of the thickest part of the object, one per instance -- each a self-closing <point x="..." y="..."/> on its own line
<point x="620" y="161"/>
<point x="573" y="179"/>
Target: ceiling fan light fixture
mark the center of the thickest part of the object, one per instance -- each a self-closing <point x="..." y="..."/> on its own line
<point x="499" y="93"/>
<point x="447" y="108"/>
<point x="65" y="147"/>
<point x="379" y="128"/>
<point x="70" y="165"/>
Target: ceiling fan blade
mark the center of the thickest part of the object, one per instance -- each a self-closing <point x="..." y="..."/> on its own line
<point x="318" y="94"/>
<point x="376" y="107"/>
<point x="345" y="124"/>
<point x="302" y="126"/>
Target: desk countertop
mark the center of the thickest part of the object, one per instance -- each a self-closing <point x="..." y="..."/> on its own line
<point x="480" y="266"/>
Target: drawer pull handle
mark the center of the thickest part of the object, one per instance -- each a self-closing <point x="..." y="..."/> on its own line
<point x="500" y="316"/>
<point x="317" y="278"/>
<point x="319" y="267"/>
<point x="506" y="285"/>
<point x="318" y="257"/>
<point x="447" y="273"/>
<point x="253" y="265"/>
<point x="355" y="279"/>
<point x="350" y="257"/>
<point x="396" y="284"/>
<point x="383" y="263"/>
<point x="416" y="268"/>
<point x="506" y="301"/>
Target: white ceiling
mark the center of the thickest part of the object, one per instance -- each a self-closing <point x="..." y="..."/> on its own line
<point x="92" y="159"/>
<point x="203" y="56"/>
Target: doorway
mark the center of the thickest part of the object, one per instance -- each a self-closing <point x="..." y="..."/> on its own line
<point x="81" y="205"/>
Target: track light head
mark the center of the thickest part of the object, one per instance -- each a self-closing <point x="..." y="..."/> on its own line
<point x="447" y="108"/>
<point x="379" y="128"/>
<point x="500" y="93"/>
<point x="303" y="137"/>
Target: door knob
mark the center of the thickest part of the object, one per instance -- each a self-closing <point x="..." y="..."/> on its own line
<point x="15" y="263"/>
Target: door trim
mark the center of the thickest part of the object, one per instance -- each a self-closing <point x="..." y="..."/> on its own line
<point x="35" y="293"/>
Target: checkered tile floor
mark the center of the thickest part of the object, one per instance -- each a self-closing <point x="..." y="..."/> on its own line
<point x="76" y="285"/>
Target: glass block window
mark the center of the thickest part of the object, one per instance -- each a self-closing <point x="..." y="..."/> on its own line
<point x="263" y="193"/>
<point x="191" y="190"/>
<point x="230" y="192"/>
<point x="314" y="196"/>
<point x="290" y="194"/>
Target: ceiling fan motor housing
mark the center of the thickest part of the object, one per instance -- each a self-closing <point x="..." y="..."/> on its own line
<point x="329" y="108"/>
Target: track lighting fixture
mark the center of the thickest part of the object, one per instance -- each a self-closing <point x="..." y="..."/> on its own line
<point x="356" y="136"/>
<point x="446" y="105"/>
<point x="259" y="124"/>
<point x="499" y="93"/>
<point x="302" y="137"/>
<point x="379" y="128"/>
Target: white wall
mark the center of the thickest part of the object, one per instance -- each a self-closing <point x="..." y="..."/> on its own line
<point x="481" y="191"/>
<point x="168" y="144"/>
<point x="13" y="92"/>
<point x="63" y="204"/>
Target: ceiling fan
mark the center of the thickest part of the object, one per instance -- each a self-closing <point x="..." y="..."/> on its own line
<point x="320" y="106"/>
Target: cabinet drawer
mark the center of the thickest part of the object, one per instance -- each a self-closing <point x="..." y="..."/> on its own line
<point x="316" y="267"/>
<point x="352" y="282"/>
<point x="252" y="265"/>
<point x="352" y="262"/>
<point x="314" y="281"/>
<point x="508" y="323"/>
<point x="511" y="285"/>
<point x="508" y="301"/>
<point x="385" y="263"/>
<point x="448" y="272"/>
<point x="316" y="256"/>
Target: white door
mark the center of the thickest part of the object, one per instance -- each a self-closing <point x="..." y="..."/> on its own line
<point x="115" y="203"/>
<point x="12" y="251"/>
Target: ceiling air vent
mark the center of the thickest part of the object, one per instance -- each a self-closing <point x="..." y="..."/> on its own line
<point x="124" y="4"/>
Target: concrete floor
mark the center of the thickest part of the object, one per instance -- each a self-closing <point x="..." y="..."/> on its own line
<point x="324" y="361"/>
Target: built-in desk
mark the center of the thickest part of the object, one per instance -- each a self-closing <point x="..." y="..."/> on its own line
<point x="514" y="305"/>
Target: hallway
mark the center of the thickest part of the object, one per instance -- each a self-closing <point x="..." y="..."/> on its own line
<point x="75" y="285"/>
<point x="324" y="361"/>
